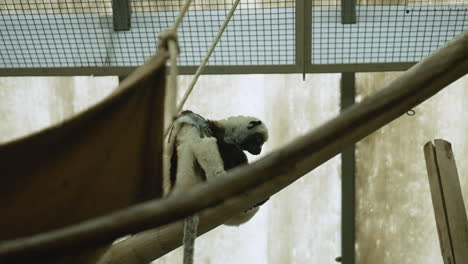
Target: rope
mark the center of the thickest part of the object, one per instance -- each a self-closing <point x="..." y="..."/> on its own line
<point x="172" y="46"/>
<point x="204" y="62"/>
<point x="172" y="78"/>
<point x="181" y="15"/>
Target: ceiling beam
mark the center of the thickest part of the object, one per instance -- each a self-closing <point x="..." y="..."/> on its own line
<point x="189" y="70"/>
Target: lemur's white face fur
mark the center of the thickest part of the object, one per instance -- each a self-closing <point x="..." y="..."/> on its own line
<point x="248" y="133"/>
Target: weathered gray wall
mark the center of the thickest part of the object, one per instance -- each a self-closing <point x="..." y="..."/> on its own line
<point x="395" y="217"/>
<point x="301" y="224"/>
<point x="28" y="104"/>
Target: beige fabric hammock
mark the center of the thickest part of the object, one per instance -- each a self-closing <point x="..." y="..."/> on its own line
<point x="103" y="159"/>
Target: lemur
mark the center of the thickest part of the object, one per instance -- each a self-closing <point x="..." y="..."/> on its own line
<point x="199" y="150"/>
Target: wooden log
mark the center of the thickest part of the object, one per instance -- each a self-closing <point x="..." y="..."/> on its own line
<point x="275" y="171"/>
<point x="447" y="199"/>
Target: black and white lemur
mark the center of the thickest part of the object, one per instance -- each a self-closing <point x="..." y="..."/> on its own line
<point x="199" y="150"/>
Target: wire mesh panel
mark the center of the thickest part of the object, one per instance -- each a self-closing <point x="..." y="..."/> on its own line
<point x="80" y="33"/>
<point x="386" y="31"/>
<point x="84" y="33"/>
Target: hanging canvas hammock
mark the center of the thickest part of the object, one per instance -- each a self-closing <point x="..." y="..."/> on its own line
<point x="103" y="159"/>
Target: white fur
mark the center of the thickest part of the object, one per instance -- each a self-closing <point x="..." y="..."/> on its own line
<point x="191" y="148"/>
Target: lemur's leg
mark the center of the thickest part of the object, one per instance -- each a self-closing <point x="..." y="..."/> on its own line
<point x="185" y="178"/>
<point x="207" y="154"/>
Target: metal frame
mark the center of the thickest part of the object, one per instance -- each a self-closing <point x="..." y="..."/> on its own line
<point x="302" y="64"/>
<point x="348" y="11"/>
<point x="189" y="70"/>
<point x="348" y="187"/>
<point x="121" y="15"/>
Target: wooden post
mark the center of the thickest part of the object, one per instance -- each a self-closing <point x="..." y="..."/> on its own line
<point x="447" y="199"/>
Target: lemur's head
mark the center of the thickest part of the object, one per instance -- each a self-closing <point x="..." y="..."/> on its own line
<point x="248" y="133"/>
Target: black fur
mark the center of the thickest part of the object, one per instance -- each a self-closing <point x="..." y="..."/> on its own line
<point x="231" y="155"/>
<point x="173" y="168"/>
<point x="253" y="124"/>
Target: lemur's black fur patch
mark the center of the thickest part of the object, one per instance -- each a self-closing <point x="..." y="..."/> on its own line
<point x="231" y="155"/>
<point x="253" y="124"/>
<point x="173" y="168"/>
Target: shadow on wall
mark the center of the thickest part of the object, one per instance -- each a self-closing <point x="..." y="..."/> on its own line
<point x="395" y="216"/>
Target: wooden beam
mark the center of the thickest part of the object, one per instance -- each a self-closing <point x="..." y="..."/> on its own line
<point x="248" y="185"/>
<point x="447" y="199"/>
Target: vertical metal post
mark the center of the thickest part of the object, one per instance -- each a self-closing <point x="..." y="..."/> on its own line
<point x="300" y="35"/>
<point x="348" y="11"/>
<point x="348" y="163"/>
<point x="121" y="15"/>
<point x="303" y="35"/>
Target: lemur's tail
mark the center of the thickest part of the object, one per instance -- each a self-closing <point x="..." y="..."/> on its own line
<point x="190" y="233"/>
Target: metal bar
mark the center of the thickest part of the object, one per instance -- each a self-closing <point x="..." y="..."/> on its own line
<point x="359" y="67"/>
<point x="348" y="11"/>
<point x="257" y="69"/>
<point x="307" y="36"/>
<point x="300" y="35"/>
<point x="75" y="71"/>
<point x="348" y="190"/>
<point x="121" y="15"/>
<point x="186" y="70"/>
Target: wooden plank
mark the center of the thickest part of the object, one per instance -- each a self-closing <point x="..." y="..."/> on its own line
<point x="438" y="203"/>
<point x="447" y="199"/>
<point x="453" y="198"/>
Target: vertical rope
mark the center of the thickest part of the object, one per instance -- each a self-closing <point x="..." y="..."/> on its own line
<point x="208" y="55"/>
<point x="204" y="62"/>
<point x="181" y="15"/>
<point x="171" y="92"/>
